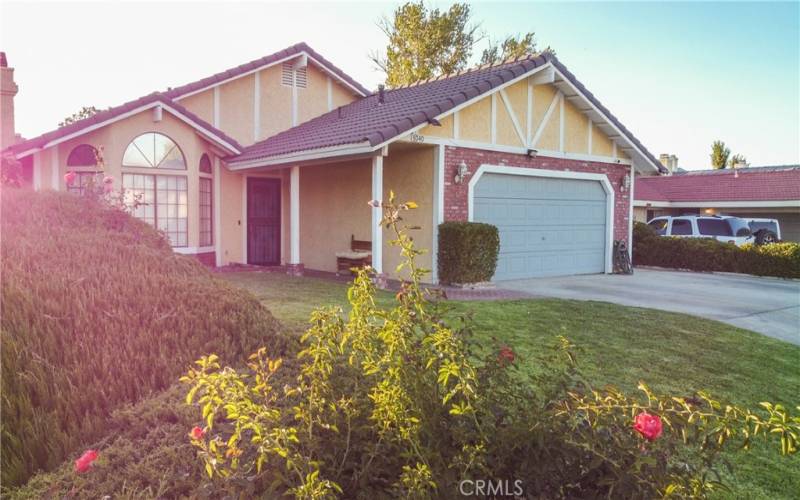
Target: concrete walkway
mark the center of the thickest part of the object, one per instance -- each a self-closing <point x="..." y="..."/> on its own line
<point x="769" y="306"/>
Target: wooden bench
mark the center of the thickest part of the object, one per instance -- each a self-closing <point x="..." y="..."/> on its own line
<point x="360" y="255"/>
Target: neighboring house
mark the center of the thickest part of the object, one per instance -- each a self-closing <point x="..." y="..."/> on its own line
<point x="273" y="163"/>
<point x="758" y="192"/>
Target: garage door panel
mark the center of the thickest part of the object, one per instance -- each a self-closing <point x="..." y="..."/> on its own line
<point x="548" y="227"/>
<point x="540" y="212"/>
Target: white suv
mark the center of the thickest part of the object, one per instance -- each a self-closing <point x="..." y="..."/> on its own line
<point x="722" y="228"/>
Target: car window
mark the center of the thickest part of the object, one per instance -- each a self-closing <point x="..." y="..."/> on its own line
<point x="681" y="227"/>
<point x="757" y="225"/>
<point x="659" y="225"/>
<point x="714" y="227"/>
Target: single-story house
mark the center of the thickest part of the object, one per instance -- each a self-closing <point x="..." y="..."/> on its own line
<point x="752" y="192"/>
<point x="273" y="163"/>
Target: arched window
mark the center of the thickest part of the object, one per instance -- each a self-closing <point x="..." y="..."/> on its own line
<point x="205" y="164"/>
<point x="154" y="150"/>
<point x="82" y="156"/>
<point x="163" y="199"/>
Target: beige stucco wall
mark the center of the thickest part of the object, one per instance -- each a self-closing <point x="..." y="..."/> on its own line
<point x="333" y="206"/>
<point x="232" y="221"/>
<point x="409" y="173"/>
<point x="474" y="122"/>
<point x="601" y="144"/>
<point x="276" y="102"/>
<point x="237" y="103"/>
<point x="444" y="130"/>
<point x="312" y="101"/>
<point x="201" y="104"/>
<point x="576" y="130"/>
<point x="236" y="109"/>
<point x="506" y="133"/>
<point x="115" y="138"/>
<point x="543" y="96"/>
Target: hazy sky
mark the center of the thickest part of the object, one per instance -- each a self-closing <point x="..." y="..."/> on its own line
<point x="678" y="75"/>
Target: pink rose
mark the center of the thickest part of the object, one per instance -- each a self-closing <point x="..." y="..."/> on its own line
<point x="197" y="433"/>
<point x="69" y="178"/>
<point x="505" y="356"/>
<point x="84" y="463"/>
<point x="648" y="425"/>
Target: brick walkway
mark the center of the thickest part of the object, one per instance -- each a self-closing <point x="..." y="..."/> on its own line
<point x="450" y="293"/>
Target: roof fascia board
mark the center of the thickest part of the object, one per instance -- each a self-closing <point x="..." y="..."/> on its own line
<point x="210" y="135"/>
<point x="302" y="53"/>
<point x="719" y="204"/>
<point x="301" y="156"/>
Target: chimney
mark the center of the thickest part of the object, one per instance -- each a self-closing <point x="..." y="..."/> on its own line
<point x="381" y="95"/>
<point x="669" y="161"/>
<point x="8" y="89"/>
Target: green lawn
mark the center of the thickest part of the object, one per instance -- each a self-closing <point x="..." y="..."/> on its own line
<point x="671" y="352"/>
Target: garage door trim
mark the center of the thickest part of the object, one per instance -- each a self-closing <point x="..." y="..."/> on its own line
<point x="558" y="174"/>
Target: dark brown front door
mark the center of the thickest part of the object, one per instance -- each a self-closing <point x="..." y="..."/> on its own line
<point x="264" y="221"/>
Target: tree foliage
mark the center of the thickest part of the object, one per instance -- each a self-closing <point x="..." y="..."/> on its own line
<point x="85" y="112"/>
<point x="424" y="43"/>
<point x="719" y="155"/>
<point x="737" y="159"/>
<point x="511" y="47"/>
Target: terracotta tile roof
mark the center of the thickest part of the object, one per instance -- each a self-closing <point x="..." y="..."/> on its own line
<point x="117" y="111"/>
<point x="277" y="56"/>
<point x="751" y="184"/>
<point x="369" y="122"/>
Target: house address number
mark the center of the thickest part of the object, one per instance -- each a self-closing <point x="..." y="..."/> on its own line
<point x="417" y="137"/>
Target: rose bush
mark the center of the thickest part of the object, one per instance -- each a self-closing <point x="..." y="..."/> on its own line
<point x="396" y="402"/>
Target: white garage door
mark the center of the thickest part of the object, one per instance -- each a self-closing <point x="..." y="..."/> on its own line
<point x="548" y="226"/>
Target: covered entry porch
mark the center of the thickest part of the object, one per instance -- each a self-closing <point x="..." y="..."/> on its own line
<point x="301" y="216"/>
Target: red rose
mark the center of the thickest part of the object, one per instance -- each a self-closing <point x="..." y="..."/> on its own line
<point x="197" y="433"/>
<point x="506" y="355"/>
<point x="84" y="463"/>
<point x="69" y="178"/>
<point x="648" y="425"/>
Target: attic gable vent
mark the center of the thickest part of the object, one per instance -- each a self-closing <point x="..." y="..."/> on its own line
<point x="301" y="75"/>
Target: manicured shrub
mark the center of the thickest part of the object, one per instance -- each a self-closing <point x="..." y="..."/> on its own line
<point x="98" y="311"/>
<point x="467" y="252"/>
<point x="707" y="254"/>
<point x="396" y="403"/>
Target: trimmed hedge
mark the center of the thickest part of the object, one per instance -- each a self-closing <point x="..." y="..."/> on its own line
<point x="467" y="252"/>
<point x="706" y="254"/>
<point x="98" y="311"/>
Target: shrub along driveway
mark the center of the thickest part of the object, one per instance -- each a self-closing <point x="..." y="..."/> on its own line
<point x="770" y="306"/>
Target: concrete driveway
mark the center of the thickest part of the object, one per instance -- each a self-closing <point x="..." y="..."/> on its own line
<point x="766" y="305"/>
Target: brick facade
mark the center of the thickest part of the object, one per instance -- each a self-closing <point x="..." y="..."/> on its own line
<point x="456" y="198"/>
